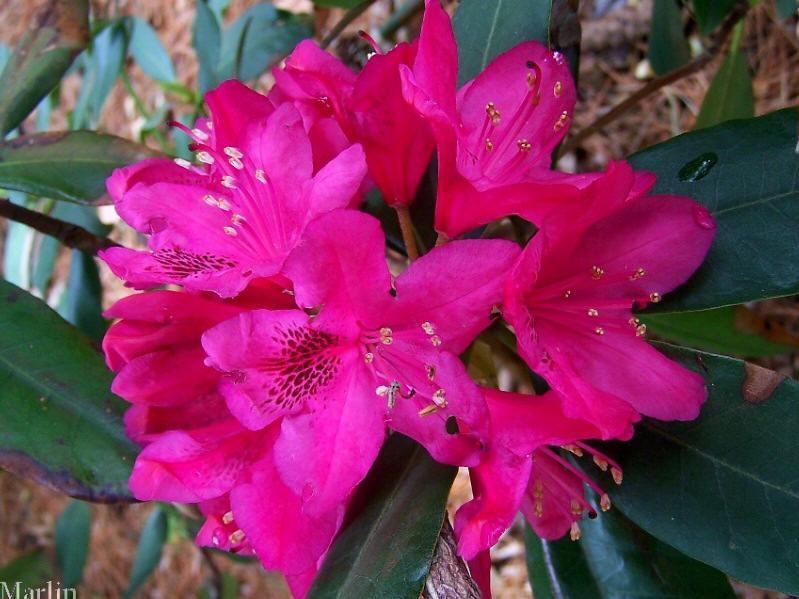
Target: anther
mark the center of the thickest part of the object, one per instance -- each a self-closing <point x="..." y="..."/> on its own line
<point x="574" y="532"/>
<point x="205" y="157"/>
<point x="567" y="293"/>
<point x="524" y="145"/>
<point x="183" y="162"/>
<point x="599" y="331"/>
<point x="538" y="489"/>
<point x="381" y="391"/>
<point x="640" y="330"/>
<point x="230" y="231"/>
<point x="236" y="163"/>
<point x="199" y="134"/>
<point x="431" y="372"/>
<point x="572" y="448"/>
<point x="227" y="517"/>
<point x="233" y="152"/>
<point x="638" y="274"/>
<point x="576" y="508"/>
<point x="223" y="204"/>
<point x="236" y="537"/>
<point x="439" y="399"/>
<point x="428" y="328"/>
<point x="386" y="336"/>
<point x="237" y="219"/>
<point x="561" y="122"/>
<point x="634" y="321"/>
<point x="557" y="89"/>
<point x="435" y="340"/>
<point x="493" y="113"/>
<point x="601" y="463"/>
<point x="210" y="200"/>
<point x="597" y="272"/>
<point x="538" y="508"/>
<point x="654" y="297"/>
<point x="489" y="145"/>
<point x="229" y="182"/>
<point x="368" y="357"/>
<point x="259" y="174"/>
<point x="425" y="411"/>
<point x="604" y="502"/>
<point x="593" y="312"/>
<point x="616" y="474"/>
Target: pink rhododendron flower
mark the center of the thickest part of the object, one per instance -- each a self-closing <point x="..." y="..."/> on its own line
<point x="195" y="451"/>
<point x="370" y="107"/>
<point x="496" y="133"/>
<point x="361" y="355"/>
<point x="570" y="295"/>
<point x="218" y="227"/>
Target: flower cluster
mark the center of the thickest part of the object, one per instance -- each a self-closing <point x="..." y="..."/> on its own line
<point x="263" y="389"/>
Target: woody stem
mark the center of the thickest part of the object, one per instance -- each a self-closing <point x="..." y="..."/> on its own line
<point x="406" y="226"/>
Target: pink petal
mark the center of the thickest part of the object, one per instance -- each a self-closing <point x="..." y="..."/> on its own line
<point x="547" y="503"/>
<point x="233" y="106"/>
<point x="337" y="184"/>
<point x="436" y="65"/>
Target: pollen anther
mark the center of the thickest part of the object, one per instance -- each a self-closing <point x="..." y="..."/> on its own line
<point x="435" y="340"/>
<point x="205" y="157"/>
<point x="227" y="517"/>
<point x="259" y="174"/>
<point x="236" y="537"/>
<point x="593" y="312"/>
<point x="236" y="163"/>
<point x="654" y="297"/>
<point x="210" y="200"/>
<point x="233" y="152"/>
<point x="524" y="145"/>
<point x="428" y="328"/>
<point x="230" y="231"/>
<point x="439" y="398"/>
<point x="640" y="330"/>
<point x="597" y="272"/>
<point x="638" y="274"/>
<point x="425" y="411"/>
<point x="599" y="331"/>
<point x="229" y="182"/>
<point x="557" y="89"/>
<point x="574" y="532"/>
<point x="183" y="163"/>
<point x="368" y="357"/>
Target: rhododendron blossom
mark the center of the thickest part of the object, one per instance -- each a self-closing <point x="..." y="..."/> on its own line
<point x="362" y="354"/>
<point x="216" y="228"/>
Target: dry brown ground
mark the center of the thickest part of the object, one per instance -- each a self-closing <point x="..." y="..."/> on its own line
<point x="613" y="49"/>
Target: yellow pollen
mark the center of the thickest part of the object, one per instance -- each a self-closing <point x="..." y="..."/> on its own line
<point x="561" y="122"/>
<point x="233" y="152"/>
<point x="617" y="475"/>
<point x="601" y="464"/>
<point x="229" y="182"/>
<point x="431" y="372"/>
<point x="524" y="145"/>
<point x="385" y="336"/>
<point x="428" y="328"/>
<point x="604" y="502"/>
<point x="597" y="272"/>
<point x="199" y="134"/>
<point x="654" y="297"/>
<point x="638" y="274"/>
<point x="570" y="447"/>
<point x="227" y="517"/>
<point x="223" y="204"/>
<point x="599" y="331"/>
<point x="557" y="89"/>
<point x="236" y="537"/>
<point x="236" y="163"/>
<point x="368" y="357"/>
<point x="640" y="330"/>
<point x="435" y="340"/>
<point x="575" y="507"/>
<point x="531" y="78"/>
<point x="259" y="174"/>
<point x="574" y="532"/>
<point x="205" y="157"/>
<point x="538" y="508"/>
<point x="381" y="391"/>
<point x="593" y="312"/>
<point x="210" y="200"/>
<point x="230" y="231"/>
<point x="489" y="145"/>
<point x="493" y="113"/>
<point x="237" y="219"/>
<point x="183" y="163"/>
<point x="439" y="399"/>
<point x="427" y="410"/>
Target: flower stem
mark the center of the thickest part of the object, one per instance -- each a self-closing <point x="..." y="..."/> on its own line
<point x="406" y="226"/>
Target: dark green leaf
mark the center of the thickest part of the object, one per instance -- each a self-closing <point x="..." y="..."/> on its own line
<point x="69" y="166"/>
<point x="394" y="520"/>
<point x="715" y="330"/>
<point x="339" y="3"/>
<point x="710" y="13"/>
<point x="747" y="174"/>
<point x="41" y="58"/>
<point x="485" y="29"/>
<point x="72" y="541"/>
<point x="31" y="570"/>
<point x="259" y="38"/>
<point x="229" y="589"/>
<point x="724" y="489"/>
<point x="786" y="8"/>
<point x="107" y="55"/>
<point x="730" y="94"/>
<point x="206" y="38"/>
<point x="61" y="425"/>
<point x="668" y="48"/>
<point x="615" y="558"/>
<point x="148" y="553"/>
<point x="149" y="53"/>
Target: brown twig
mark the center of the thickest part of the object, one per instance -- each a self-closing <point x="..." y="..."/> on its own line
<point x="406" y="226"/>
<point x="70" y="235"/>
<point x="449" y="576"/>
<point x="348" y="18"/>
<point x="737" y="13"/>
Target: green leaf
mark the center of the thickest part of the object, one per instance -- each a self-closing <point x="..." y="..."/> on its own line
<point x="730" y="94"/>
<point x="484" y="29"/>
<point x="724" y="489"/>
<point x="229" y="589"/>
<point x="31" y="570"/>
<point x="668" y="48"/>
<point x="107" y="55"/>
<point x="394" y="520"/>
<point x="148" y="553"/>
<point x="41" y="58"/>
<point x="747" y="174"/>
<point x="259" y="38"/>
<point x="786" y="8"/>
<point x="70" y="166"/>
<point x="61" y="425"/>
<point x="340" y="3"/>
<point x="72" y="531"/>
<point x="710" y="13"/>
<point x="149" y="53"/>
<point x="615" y="558"/>
<point x="715" y="330"/>
<point x="206" y="36"/>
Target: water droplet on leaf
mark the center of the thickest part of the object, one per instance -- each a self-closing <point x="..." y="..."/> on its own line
<point x="698" y="167"/>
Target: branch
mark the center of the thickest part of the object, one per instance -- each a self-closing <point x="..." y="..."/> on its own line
<point x="737" y="13"/>
<point x="70" y="235"/>
<point x="348" y="18"/>
<point x="449" y="577"/>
